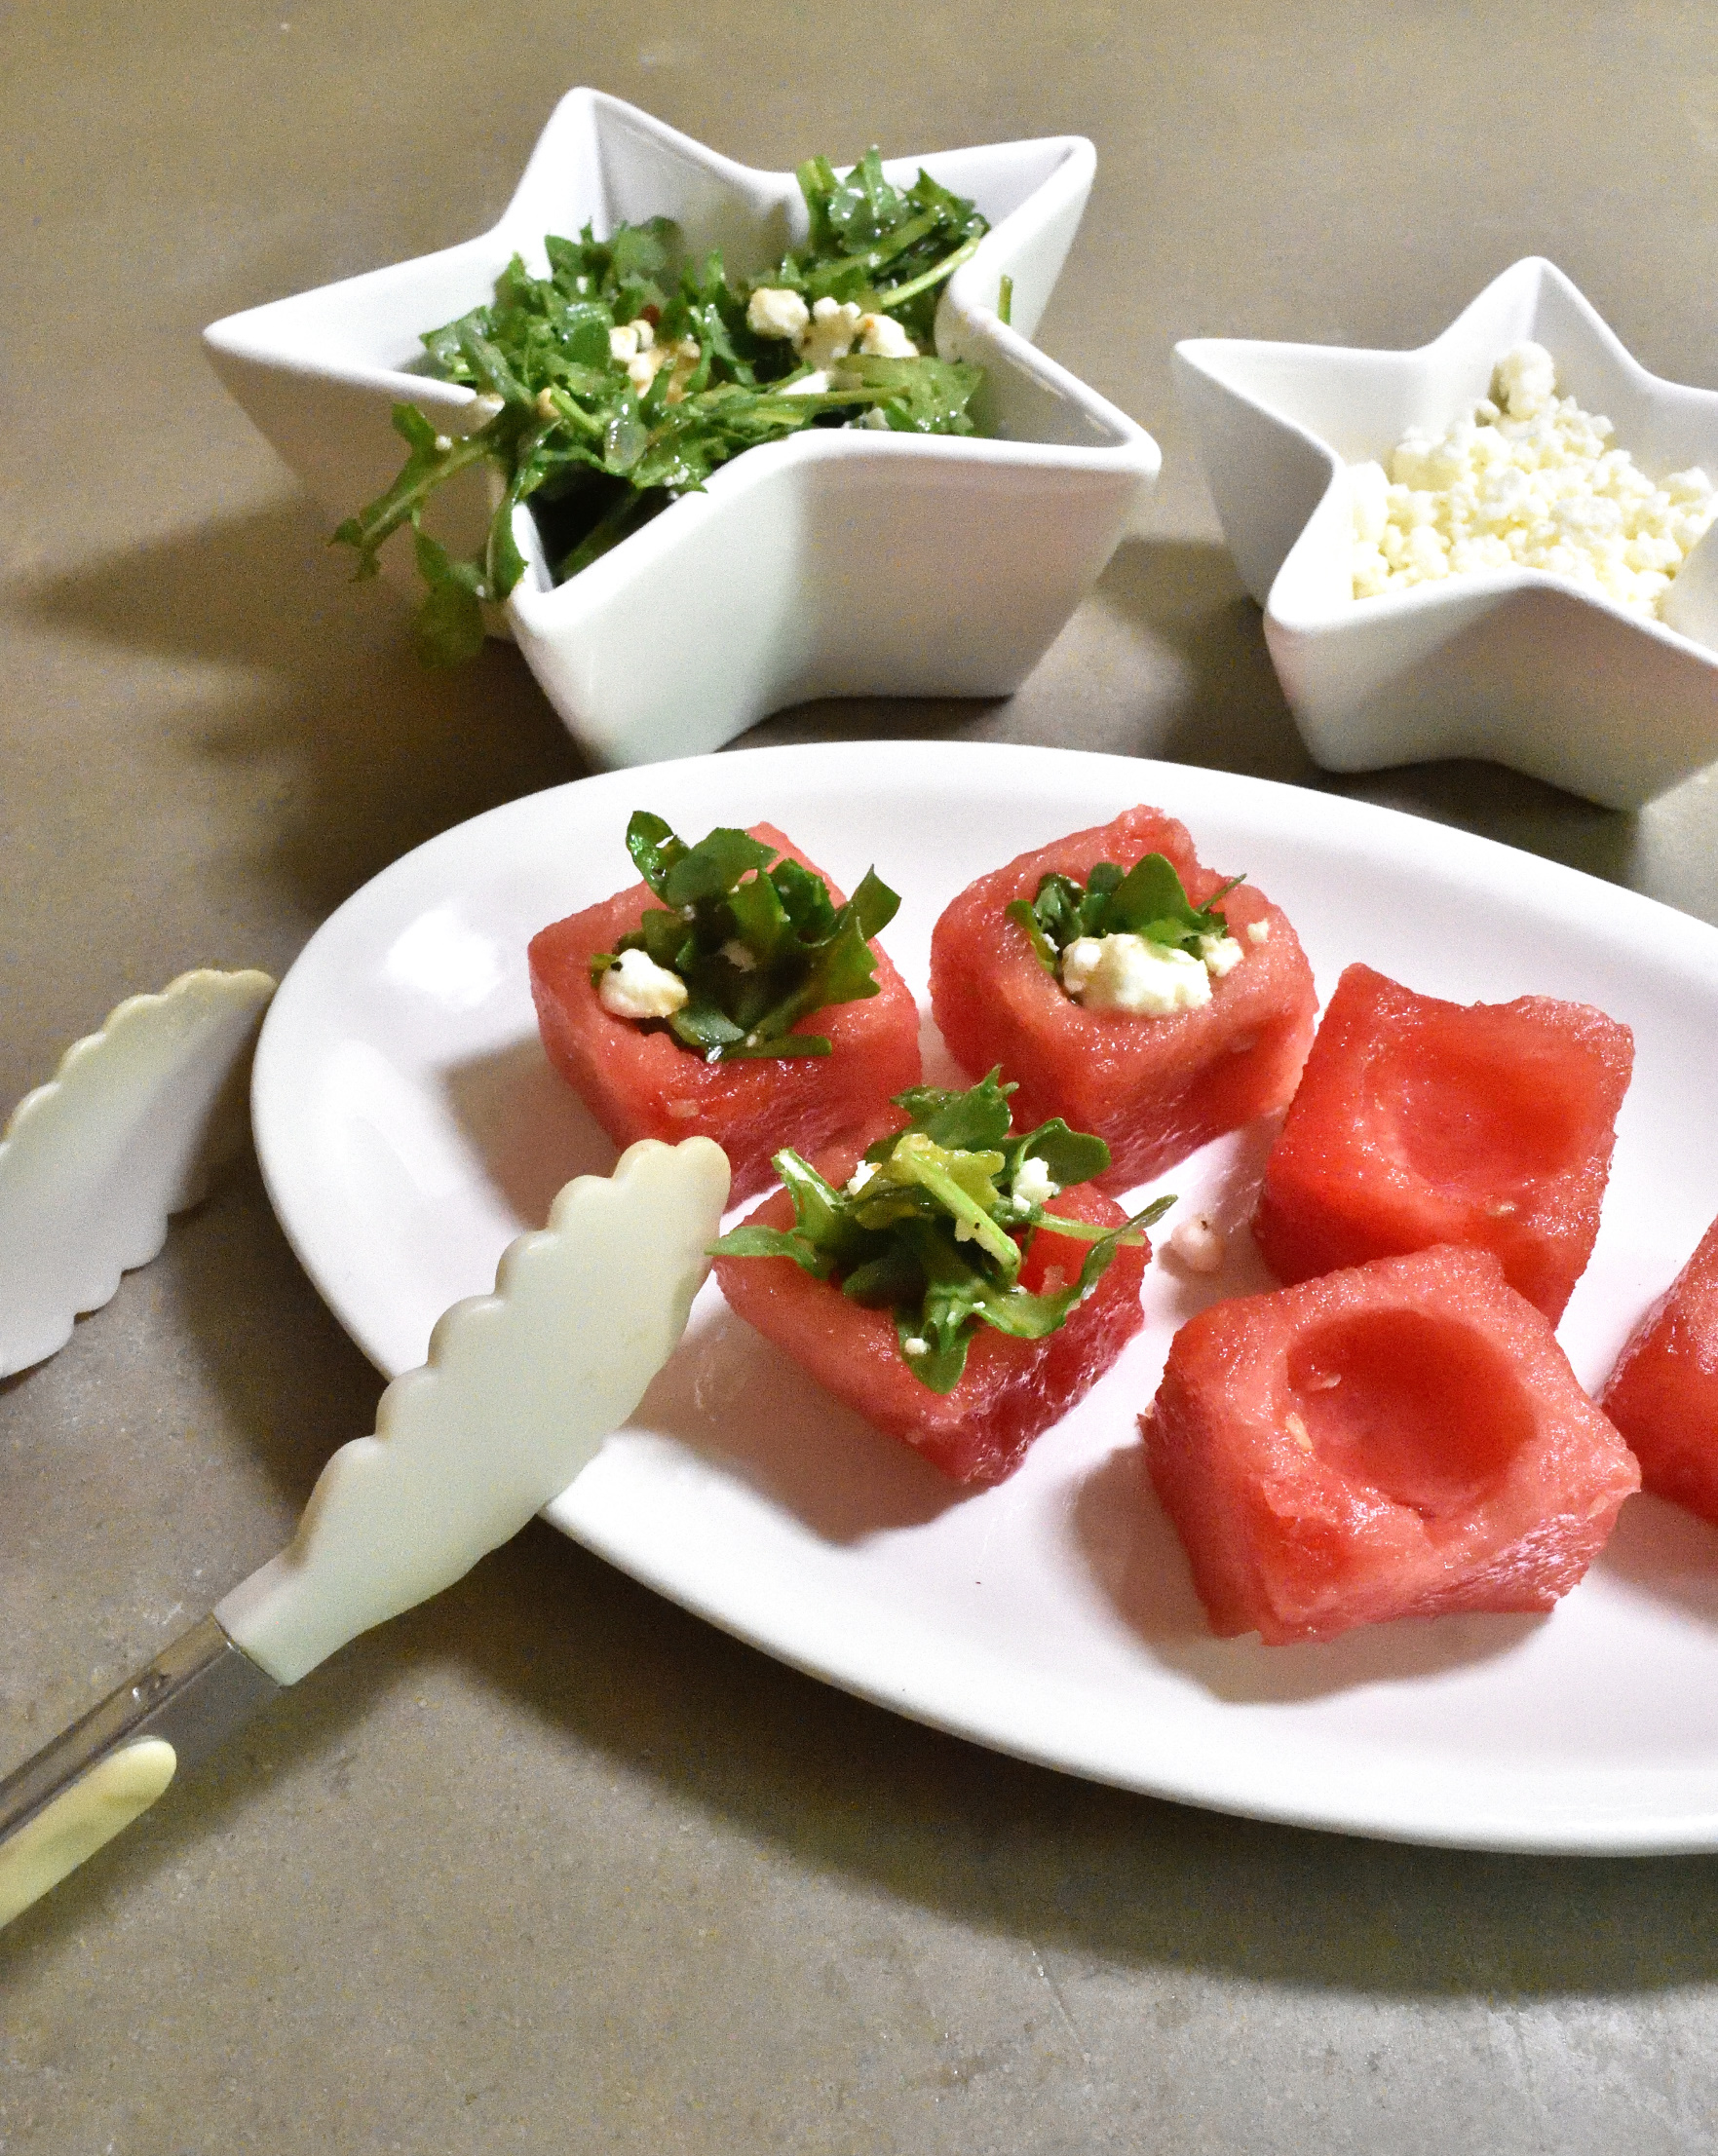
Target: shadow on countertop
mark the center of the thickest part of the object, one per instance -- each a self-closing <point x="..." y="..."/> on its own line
<point x="1066" y="1863"/>
<point x="308" y="685"/>
<point x="361" y="753"/>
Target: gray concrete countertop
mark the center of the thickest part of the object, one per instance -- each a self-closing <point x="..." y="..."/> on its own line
<point x="548" y="1864"/>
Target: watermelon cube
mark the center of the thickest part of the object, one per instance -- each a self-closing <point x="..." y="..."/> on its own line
<point x="1011" y="1391"/>
<point x="1663" y="1393"/>
<point x="641" y="1082"/>
<point x="1420" y="1122"/>
<point x="1155" y="1088"/>
<point x="1401" y="1439"/>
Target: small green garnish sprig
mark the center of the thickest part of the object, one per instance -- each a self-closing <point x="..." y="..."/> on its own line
<point x="1149" y="901"/>
<point x="939" y="1228"/>
<point x="569" y="432"/>
<point x="757" y="940"/>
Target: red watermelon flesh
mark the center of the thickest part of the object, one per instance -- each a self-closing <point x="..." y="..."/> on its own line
<point x="1011" y="1391"/>
<point x="1420" y="1122"/>
<point x="1156" y="1089"/>
<point x="1404" y="1439"/>
<point x="1663" y="1393"/>
<point x="640" y="1082"/>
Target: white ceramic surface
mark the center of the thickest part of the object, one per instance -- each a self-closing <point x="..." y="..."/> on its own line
<point x="839" y="564"/>
<point x="1515" y="665"/>
<point x="410" y="1125"/>
<point x="124" y="1134"/>
<point x="518" y="1390"/>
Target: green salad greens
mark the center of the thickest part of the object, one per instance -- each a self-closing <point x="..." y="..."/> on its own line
<point x="757" y="946"/>
<point x="1148" y="901"/>
<point x="935" y="1223"/>
<point x="626" y="375"/>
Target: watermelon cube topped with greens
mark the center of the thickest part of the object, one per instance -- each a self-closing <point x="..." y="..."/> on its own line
<point x="734" y="993"/>
<point x="1125" y="987"/>
<point x="959" y="1284"/>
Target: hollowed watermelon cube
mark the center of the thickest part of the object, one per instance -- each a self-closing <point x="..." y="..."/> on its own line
<point x="640" y="1082"/>
<point x="1011" y="1391"/>
<point x="1420" y="1122"/>
<point x="1663" y="1393"/>
<point x="1155" y="1089"/>
<point x="1402" y="1439"/>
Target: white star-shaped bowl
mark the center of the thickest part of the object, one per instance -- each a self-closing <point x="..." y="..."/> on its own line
<point x="1515" y="665"/>
<point x="841" y="562"/>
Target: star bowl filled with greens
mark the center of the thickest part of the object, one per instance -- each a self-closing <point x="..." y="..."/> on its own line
<point x="707" y="440"/>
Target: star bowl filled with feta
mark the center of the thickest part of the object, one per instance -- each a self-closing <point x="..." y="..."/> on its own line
<point x="1489" y="547"/>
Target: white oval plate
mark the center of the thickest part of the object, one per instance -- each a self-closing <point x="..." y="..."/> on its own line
<point x="408" y="1126"/>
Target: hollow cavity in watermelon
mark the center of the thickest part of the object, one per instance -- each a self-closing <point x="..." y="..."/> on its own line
<point x="1155" y="1089"/>
<point x="1402" y="1439"/>
<point x="1011" y="1391"/>
<point x="1420" y="1122"/>
<point x="640" y="1082"/>
<point x="1663" y="1393"/>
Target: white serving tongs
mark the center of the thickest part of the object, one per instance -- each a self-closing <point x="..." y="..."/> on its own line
<point x="124" y="1133"/>
<point x="518" y="1392"/>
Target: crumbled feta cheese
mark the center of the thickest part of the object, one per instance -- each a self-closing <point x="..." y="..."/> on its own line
<point x="1032" y="1185"/>
<point x="872" y="419"/>
<point x="1525" y="381"/>
<point x="1125" y="972"/>
<point x="1198" y="1242"/>
<point x="859" y="1177"/>
<point x="1528" y="481"/>
<point x="484" y="407"/>
<point x="630" y="338"/>
<point x="636" y="987"/>
<point x="738" y="955"/>
<point x="916" y="1347"/>
<point x="634" y="345"/>
<point x="1258" y="932"/>
<point x="1219" y="955"/>
<point x="830" y="334"/>
<point x="807" y="385"/>
<point x="774" y="311"/>
<point x="882" y="337"/>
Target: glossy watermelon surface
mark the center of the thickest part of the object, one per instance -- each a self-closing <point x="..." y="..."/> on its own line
<point x="639" y="1082"/>
<point x="1402" y="1439"/>
<point x="1420" y="1122"/>
<point x="1155" y="1089"/>
<point x="1011" y="1391"/>
<point x="1663" y="1393"/>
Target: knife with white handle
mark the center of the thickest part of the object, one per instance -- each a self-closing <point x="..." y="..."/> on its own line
<point x="520" y="1391"/>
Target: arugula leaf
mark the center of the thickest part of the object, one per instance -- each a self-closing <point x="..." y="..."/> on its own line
<point x="654" y="848"/>
<point x="1068" y="1156"/>
<point x="450" y="621"/>
<point x="976" y="1120"/>
<point x="711" y="868"/>
<point x="935" y="1232"/>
